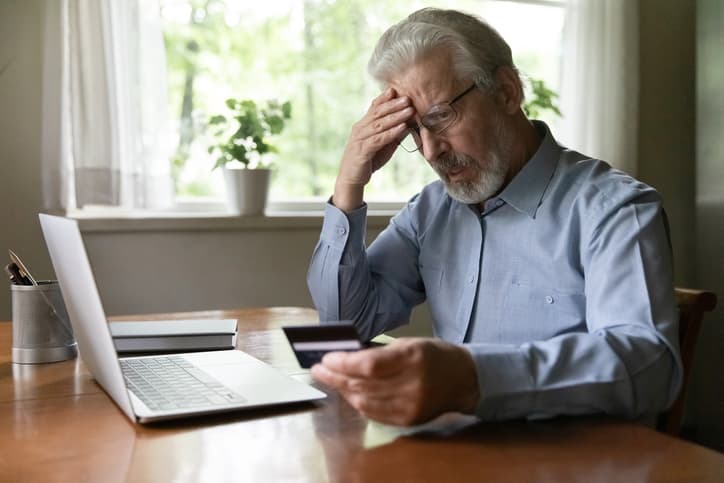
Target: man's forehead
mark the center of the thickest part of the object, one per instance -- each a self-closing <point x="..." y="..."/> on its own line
<point x="429" y="81"/>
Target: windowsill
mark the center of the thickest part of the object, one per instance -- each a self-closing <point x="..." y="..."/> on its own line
<point x="98" y="222"/>
<point x="211" y="215"/>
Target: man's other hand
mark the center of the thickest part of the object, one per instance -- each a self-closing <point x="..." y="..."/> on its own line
<point x="407" y="382"/>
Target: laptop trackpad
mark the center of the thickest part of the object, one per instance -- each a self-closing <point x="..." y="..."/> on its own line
<point x="252" y="379"/>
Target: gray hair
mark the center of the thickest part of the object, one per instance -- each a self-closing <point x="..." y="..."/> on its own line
<point x="476" y="48"/>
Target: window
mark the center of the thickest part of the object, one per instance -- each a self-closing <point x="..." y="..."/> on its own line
<point x="314" y="54"/>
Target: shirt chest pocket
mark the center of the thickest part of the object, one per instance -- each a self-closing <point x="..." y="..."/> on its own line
<point x="539" y="313"/>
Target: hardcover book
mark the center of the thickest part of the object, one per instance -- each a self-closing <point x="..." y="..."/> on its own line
<point x="173" y="335"/>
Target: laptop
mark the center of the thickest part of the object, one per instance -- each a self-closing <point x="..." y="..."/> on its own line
<point x="159" y="387"/>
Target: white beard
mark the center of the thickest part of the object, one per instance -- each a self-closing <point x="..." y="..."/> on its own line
<point x="488" y="181"/>
<point x="491" y="171"/>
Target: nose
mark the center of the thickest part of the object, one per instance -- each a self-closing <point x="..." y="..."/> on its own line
<point x="432" y="145"/>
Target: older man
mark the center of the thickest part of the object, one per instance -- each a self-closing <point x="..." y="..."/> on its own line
<point x="547" y="273"/>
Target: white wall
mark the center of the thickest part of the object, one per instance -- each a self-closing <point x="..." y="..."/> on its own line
<point x="149" y="271"/>
<point x="164" y="271"/>
<point x="667" y="125"/>
<point x="707" y="395"/>
<point x="20" y="91"/>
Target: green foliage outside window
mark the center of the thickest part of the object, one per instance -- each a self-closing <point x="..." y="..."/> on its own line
<point x="540" y="99"/>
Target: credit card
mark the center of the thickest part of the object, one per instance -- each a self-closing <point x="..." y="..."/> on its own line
<point x="311" y="342"/>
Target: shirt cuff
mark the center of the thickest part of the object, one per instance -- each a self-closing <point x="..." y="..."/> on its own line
<point x="502" y="371"/>
<point x="345" y="231"/>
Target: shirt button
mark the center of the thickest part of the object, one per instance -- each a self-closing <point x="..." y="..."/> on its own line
<point x="499" y="202"/>
<point x="341" y="230"/>
<point x="549" y="299"/>
<point x="471" y="279"/>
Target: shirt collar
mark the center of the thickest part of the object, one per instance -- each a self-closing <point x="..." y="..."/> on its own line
<point x="526" y="189"/>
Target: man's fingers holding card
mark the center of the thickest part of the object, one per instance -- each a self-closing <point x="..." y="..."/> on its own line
<point x="382" y="362"/>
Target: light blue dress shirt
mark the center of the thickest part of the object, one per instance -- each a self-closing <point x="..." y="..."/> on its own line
<point x="561" y="290"/>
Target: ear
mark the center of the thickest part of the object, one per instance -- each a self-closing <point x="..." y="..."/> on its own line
<point x="509" y="90"/>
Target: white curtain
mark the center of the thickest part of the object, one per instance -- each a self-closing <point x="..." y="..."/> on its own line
<point x="104" y="106"/>
<point x="599" y="92"/>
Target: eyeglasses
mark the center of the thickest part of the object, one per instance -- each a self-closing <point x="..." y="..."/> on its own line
<point x="438" y="118"/>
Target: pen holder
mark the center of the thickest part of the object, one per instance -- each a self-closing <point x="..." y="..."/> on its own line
<point x="41" y="328"/>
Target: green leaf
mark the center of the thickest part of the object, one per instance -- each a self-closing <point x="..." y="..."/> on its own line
<point x="287" y="110"/>
<point x="541" y="99"/>
<point x="276" y="124"/>
<point x="220" y="162"/>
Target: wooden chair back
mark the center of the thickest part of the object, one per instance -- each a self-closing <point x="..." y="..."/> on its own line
<point x="692" y="306"/>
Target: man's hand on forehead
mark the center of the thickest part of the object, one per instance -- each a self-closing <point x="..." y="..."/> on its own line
<point x="371" y="143"/>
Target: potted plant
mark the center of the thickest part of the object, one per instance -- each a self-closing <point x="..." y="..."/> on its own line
<point x="242" y="145"/>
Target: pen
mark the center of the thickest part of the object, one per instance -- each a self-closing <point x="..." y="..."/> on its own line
<point x="22" y="270"/>
<point x="14" y="274"/>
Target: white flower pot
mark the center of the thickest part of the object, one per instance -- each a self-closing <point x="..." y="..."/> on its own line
<point x="247" y="190"/>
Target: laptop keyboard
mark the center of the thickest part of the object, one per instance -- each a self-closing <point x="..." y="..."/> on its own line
<point x="171" y="382"/>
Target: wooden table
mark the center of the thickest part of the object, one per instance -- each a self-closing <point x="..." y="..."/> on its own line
<point x="57" y="425"/>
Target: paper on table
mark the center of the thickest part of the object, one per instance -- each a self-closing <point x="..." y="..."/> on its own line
<point x="378" y="434"/>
